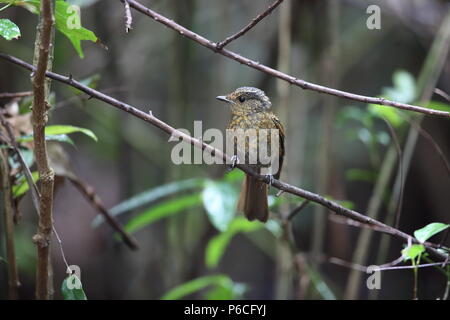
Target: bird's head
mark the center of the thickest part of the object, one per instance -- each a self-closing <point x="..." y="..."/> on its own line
<point x="247" y="100"/>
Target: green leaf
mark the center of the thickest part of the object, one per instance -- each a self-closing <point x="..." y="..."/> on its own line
<point x="437" y="105"/>
<point x="219" y="200"/>
<point x="224" y="283"/>
<point x="235" y="175"/>
<point x="217" y="245"/>
<point x="8" y="29"/>
<point x="67" y="21"/>
<point x="56" y="137"/>
<point x="430" y="230"/>
<point x="64" y="129"/>
<point x="410" y="253"/>
<point x="149" y="196"/>
<point x="388" y="113"/>
<point x="59" y="133"/>
<point x="72" y="289"/>
<point x="23" y="186"/>
<point x="162" y="210"/>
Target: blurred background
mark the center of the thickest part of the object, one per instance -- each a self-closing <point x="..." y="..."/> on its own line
<point x="183" y="216"/>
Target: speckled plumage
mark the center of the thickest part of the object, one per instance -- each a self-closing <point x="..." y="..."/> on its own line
<point x="250" y="109"/>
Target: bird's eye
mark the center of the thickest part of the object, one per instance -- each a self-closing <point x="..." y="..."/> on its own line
<point x="241" y="98"/>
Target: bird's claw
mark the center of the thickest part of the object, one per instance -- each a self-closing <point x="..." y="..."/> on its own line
<point x="234" y="162"/>
<point x="269" y="179"/>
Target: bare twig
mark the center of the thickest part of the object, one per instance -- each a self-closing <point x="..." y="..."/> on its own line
<point x="89" y="193"/>
<point x="398" y="210"/>
<point x="261" y="67"/>
<point x="9" y="95"/>
<point x="384" y="267"/>
<point x="424" y="133"/>
<point x="127" y="16"/>
<point x="426" y="265"/>
<point x="150" y="118"/>
<point x="294" y="212"/>
<point x="46" y="175"/>
<point x="35" y="195"/>
<point x="252" y="23"/>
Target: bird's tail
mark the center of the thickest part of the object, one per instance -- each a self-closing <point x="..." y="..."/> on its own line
<point x="253" y="199"/>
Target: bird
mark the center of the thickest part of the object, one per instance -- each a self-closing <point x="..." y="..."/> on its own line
<point x="251" y="109"/>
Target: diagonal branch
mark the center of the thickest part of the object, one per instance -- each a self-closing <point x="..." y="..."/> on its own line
<point x="278" y="74"/>
<point x="252" y="23"/>
<point x="150" y="118"/>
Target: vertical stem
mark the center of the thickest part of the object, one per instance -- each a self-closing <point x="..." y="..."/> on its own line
<point x="285" y="256"/>
<point x="330" y="77"/>
<point x="13" y="274"/>
<point x="46" y="175"/>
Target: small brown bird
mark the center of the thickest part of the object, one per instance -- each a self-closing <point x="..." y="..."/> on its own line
<point x="250" y="109"/>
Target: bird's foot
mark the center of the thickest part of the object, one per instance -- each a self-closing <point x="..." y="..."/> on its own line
<point x="234" y="163"/>
<point x="269" y="179"/>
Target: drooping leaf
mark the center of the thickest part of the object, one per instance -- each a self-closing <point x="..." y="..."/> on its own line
<point x="23" y="186"/>
<point x="223" y="282"/>
<point x="67" y="21"/>
<point x="147" y="197"/>
<point x="8" y="29"/>
<point x="219" y="200"/>
<point x="430" y="230"/>
<point x="217" y="245"/>
<point x="162" y="210"/>
<point x="72" y="289"/>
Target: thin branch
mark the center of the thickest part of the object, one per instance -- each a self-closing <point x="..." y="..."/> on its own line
<point x="426" y="265"/>
<point x="46" y="175"/>
<point x="384" y="267"/>
<point x="297" y="210"/>
<point x="95" y="201"/>
<point x="35" y="195"/>
<point x="398" y="210"/>
<point x="261" y="67"/>
<point x="9" y="95"/>
<point x="252" y="23"/>
<point x="442" y="93"/>
<point x="424" y="133"/>
<point x="13" y="272"/>
<point x="150" y="118"/>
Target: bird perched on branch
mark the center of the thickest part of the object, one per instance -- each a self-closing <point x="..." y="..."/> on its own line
<point x="258" y="132"/>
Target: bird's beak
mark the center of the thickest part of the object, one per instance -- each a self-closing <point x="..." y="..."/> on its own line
<point x="223" y="98"/>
